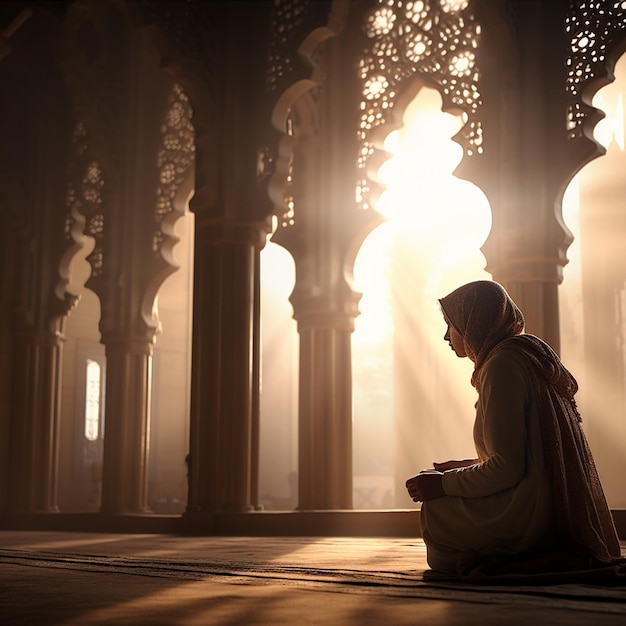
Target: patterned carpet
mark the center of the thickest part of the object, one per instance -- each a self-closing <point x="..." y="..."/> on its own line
<point x="80" y="578"/>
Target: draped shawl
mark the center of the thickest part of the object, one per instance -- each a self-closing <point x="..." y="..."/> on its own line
<point x="488" y="320"/>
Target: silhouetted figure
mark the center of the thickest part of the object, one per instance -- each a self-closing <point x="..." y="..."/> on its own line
<point x="531" y="501"/>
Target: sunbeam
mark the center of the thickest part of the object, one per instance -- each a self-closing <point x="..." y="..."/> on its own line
<point x="411" y="393"/>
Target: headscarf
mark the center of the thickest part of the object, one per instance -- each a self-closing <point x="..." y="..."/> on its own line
<point x="484" y="314"/>
<point x="488" y="320"/>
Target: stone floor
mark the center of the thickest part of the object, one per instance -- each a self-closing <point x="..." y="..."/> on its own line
<point x="95" y="578"/>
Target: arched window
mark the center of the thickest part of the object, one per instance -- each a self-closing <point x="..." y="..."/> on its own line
<point x="93" y="400"/>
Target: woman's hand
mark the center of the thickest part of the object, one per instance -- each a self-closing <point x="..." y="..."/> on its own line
<point x="426" y="486"/>
<point x="448" y="465"/>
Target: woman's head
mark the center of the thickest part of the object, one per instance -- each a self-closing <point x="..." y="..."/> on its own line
<point x="483" y="314"/>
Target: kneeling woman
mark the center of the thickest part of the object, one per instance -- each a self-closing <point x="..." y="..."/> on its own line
<point x="533" y="488"/>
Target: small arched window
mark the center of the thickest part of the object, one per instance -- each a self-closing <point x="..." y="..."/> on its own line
<point x="93" y="400"/>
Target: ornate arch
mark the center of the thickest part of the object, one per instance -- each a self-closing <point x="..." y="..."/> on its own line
<point x="175" y="161"/>
<point x="409" y="45"/>
<point x="299" y="29"/>
<point x="414" y="44"/>
<point x="597" y="32"/>
<point x="84" y="222"/>
<point x="105" y="55"/>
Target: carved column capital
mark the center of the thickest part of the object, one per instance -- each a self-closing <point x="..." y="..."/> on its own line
<point x="135" y="346"/>
<point x="212" y="230"/>
<point x="320" y="311"/>
<point x="529" y="266"/>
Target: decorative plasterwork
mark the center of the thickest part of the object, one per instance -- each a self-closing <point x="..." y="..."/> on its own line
<point x="174" y="159"/>
<point x="293" y="21"/>
<point x="175" y="162"/>
<point x="597" y="29"/>
<point x="299" y="28"/>
<point x="94" y="60"/>
<point x="435" y="40"/>
<point x="287" y="21"/>
<point x="85" y="208"/>
<point x="191" y="27"/>
<point x="84" y="221"/>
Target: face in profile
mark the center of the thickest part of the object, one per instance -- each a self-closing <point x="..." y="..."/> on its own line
<point x="455" y="340"/>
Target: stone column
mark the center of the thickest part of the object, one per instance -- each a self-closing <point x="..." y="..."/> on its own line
<point x="325" y="408"/>
<point x="538" y="297"/>
<point x="126" y="425"/>
<point x="34" y="163"/>
<point x="35" y="436"/>
<point x="322" y="225"/>
<point x="224" y="405"/>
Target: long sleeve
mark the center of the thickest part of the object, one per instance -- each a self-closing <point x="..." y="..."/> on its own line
<point x="500" y="432"/>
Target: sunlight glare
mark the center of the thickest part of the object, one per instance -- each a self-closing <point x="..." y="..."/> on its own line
<point x="448" y="218"/>
<point x="408" y="387"/>
<point x="279" y="381"/>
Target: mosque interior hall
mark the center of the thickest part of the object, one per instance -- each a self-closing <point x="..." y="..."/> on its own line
<point x="226" y="226"/>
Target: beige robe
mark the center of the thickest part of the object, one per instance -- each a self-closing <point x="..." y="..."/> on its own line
<point x="502" y="505"/>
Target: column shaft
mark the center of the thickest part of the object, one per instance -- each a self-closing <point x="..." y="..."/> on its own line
<point x="126" y="426"/>
<point x="225" y="378"/>
<point x="34" y="459"/>
<point x="325" y="429"/>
